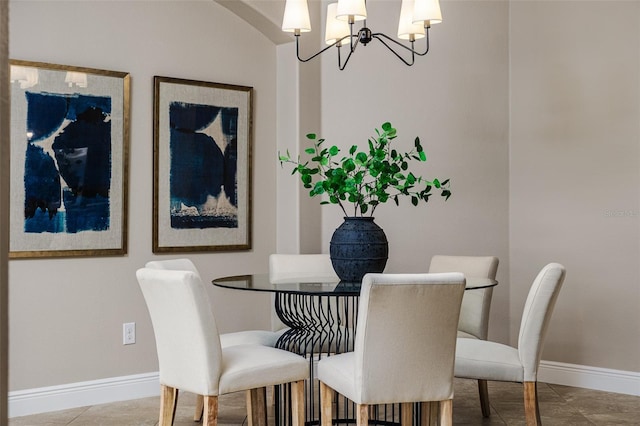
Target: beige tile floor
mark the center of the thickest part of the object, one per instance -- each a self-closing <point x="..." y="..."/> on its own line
<point x="560" y="405"/>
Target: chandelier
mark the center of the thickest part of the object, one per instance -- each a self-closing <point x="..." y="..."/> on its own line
<point x="416" y="17"/>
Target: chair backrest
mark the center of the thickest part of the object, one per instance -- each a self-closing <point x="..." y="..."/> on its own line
<point x="182" y="264"/>
<point x="536" y="316"/>
<point x="187" y="339"/>
<point x="301" y="266"/>
<point x="476" y="304"/>
<point x="406" y="336"/>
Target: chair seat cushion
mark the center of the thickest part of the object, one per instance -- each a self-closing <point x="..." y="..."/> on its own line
<point x="481" y="359"/>
<point x="249" y="337"/>
<point x="339" y="371"/>
<point x="256" y="366"/>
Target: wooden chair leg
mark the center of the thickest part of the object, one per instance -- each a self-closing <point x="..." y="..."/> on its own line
<point x="429" y="413"/>
<point x="210" y="411"/>
<point x="297" y="403"/>
<point x="197" y="416"/>
<point x="483" y="390"/>
<point x="446" y="412"/>
<point x="425" y="414"/>
<point x="326" y="401"/>
<point x="362" y="414"/>
<point x="406" y="411"/>
<point x="257" y="407"/>
<point x="168" y="403"/>
<point x="531" y="406"/>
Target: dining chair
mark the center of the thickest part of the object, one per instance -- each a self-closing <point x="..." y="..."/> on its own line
<point x="245" y="337"/>
<point x="486" y="360"/>
<point x="476" y="304"/>
<point x="284" y="268"/>
<point x="191" y="357"/>
<point x="258" y="337"/>
<point x="404" y="347"/>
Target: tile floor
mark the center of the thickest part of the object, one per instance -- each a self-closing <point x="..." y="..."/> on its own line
<point x="560" y="405"/>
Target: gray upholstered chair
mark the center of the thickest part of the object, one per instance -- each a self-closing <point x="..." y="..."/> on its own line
<point x="476" y="304"/>
<point x="484" y="360"/>
<point x="192" y="359"/>
<point x="404" y="347"/>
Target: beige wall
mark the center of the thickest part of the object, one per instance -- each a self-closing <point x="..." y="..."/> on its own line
<point x="456" y="100"/>
<point x="575" y="175"/>
<point x="67" y="314"/>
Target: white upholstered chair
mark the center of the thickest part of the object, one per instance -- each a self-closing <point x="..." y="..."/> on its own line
<point x="306" y="267"/>
<point x="404" y="347"/>
<point x="245" y="337"/>
<point x="476" y="304"/>
<point x="192" y="359"/>
<point x="258" y="337"/>
<point x="480" y="359"/>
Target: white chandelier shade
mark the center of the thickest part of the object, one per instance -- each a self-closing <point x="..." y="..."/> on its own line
<point x="335" y="29"/>
<point x="296" y="17"/>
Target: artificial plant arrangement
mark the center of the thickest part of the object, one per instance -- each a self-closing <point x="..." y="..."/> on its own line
<point x="362" y="180"/>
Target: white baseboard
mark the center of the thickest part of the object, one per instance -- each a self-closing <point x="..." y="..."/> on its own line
<point x="73" y="395"/>
<point x="62" y="397"/>
<point x="582" y="376"/>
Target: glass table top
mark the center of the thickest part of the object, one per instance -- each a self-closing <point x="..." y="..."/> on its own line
<point x="310" y="285"/>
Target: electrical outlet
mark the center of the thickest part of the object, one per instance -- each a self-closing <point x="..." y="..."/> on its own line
<point x="128" y="333"/>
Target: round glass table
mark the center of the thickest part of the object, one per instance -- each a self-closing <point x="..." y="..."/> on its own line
<point x="320" y="318"/>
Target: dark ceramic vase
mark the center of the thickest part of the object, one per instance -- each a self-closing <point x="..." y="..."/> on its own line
<point x="357" y="247"/>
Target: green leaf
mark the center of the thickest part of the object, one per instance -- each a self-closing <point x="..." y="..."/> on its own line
<point x="349" y="165"/>
<point x="423" y="156"/>
<point x="334" y="150"/>
<point x="361" y="158"/>
<point x="364" y="208"/>
<point x="353" y="149"/>
<point x="310" y="151"/>
<point x="414" y="201"/>
<point x="311" y="136"/>
<point x="436" y="183"/>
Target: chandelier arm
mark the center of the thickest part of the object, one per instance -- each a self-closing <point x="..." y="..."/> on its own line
<point x="352" y="48"/>
<point x="341" y="67"/>
<point x="410" y="49"/>
<point x="314" y="55"/>
<point x="380" y="39"/>
<point x="426" y="36"/>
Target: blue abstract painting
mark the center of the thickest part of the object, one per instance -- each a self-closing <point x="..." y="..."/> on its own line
<point x="67" y="173"/>
<point x="203" y="151"/>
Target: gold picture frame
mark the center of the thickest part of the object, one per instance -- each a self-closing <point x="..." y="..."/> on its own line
<point x="69" y="161"/>
<point x="202" y="166"/>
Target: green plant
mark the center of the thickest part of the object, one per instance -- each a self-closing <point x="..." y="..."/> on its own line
<point x="364" y="179"/>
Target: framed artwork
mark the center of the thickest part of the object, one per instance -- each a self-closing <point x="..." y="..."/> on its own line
<point x="69" y="161"/>
<point x="202" y="166"/>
